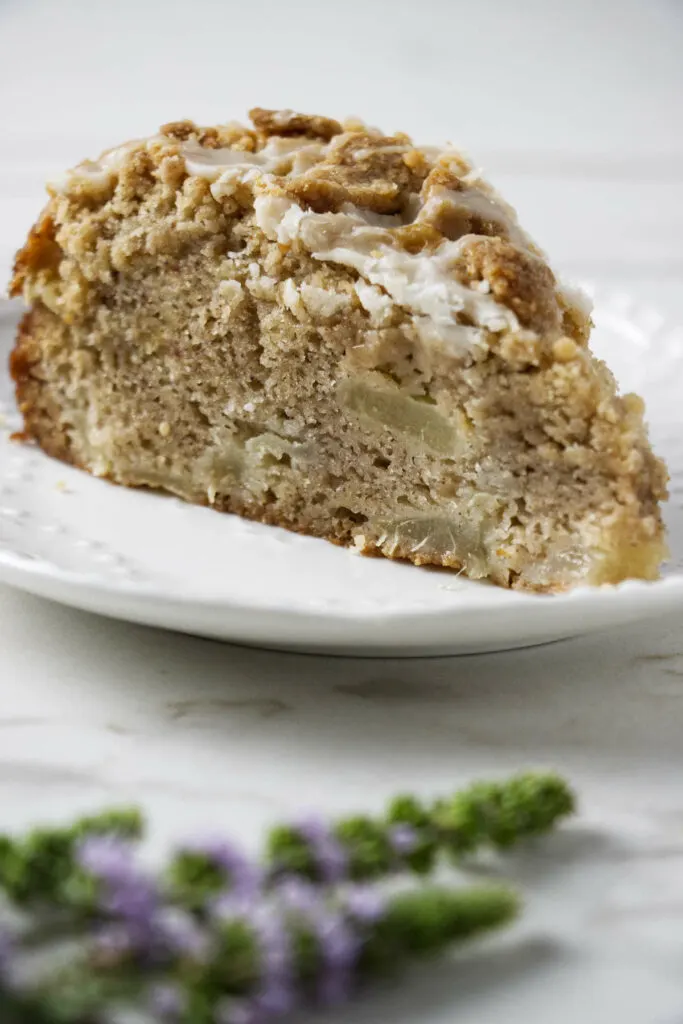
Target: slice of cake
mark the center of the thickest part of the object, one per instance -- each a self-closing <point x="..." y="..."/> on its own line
<point x="339" y="332"/>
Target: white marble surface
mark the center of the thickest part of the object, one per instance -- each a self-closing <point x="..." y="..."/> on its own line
<point x="574" y="109"/>
<point x="208" y="735"/>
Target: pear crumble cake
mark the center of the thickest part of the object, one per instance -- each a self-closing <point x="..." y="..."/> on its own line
<point x="317" y="326"/>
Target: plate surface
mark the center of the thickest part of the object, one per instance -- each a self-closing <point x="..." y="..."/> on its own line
<point x="156" y="560"/>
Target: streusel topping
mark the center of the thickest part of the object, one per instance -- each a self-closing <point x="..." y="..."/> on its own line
<point x="417" y="223"/>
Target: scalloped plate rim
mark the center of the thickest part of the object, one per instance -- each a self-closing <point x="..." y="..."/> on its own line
<point x="605" y="593"/>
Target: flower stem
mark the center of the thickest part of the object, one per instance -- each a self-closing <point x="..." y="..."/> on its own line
<point x="413" y="833"/>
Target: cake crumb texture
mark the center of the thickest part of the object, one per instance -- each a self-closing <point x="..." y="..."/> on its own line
<point x="325" y="328"/>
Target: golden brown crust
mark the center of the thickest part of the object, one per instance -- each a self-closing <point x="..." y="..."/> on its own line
<point x="418" y="237"/>
<point x="39" y="253"/>
<point x="287" y="122"/>
<point x="41" y="415"/>
<point x="235" y="136"/>
<point x="180" y="130"/>
<point x="445" y="214"/>
<point x="517" y="279"/>
<point x="444" y="174"/>
<point x="361" y="168"/>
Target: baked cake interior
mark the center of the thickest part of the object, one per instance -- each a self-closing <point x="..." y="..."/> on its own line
<point x="321" y="327"/>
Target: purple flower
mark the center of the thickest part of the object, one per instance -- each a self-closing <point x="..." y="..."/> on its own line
<point x="339" y="943"/>
<point x="276" y="992"/>
<point x="178" y="934"/>
<point x="167" y="1002"/>
<point x="113" y="942"/>
<point x="126" y="893"/>
<point x="230" y="1012"/>
<point x="296" y="894"/>
<point x="340" y="947"/>
<point x="328" y="853"/>
<point x="241" y="874"/>
<point x="403" y="839"/>
<point x="105" y="857"/>
<point x="134" y="899"/>
<point x="228" y="905"/>
<point x="163" y="934"/>
<point x="364" y="904"/>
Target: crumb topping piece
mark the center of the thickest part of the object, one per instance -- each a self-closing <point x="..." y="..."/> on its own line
<point x="287" y="122"/>
<point x="381" y="194"/>
<point x="517" y="279"/>
<point x="363" y="169"/>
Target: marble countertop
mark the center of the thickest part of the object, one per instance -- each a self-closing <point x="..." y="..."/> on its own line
<point x="573" y="115"/>
<point x="207" y="735"/>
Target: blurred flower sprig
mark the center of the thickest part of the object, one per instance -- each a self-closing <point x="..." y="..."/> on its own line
<point x="218" y="937"/>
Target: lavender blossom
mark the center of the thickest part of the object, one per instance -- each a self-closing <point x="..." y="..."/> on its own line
<point x="340" y="948"/>
<point x="112" y="942"/>
<point x="218" y="938"/>
<point x="275" y="994"/>
<point x="339" y="944"/>
<point x="178" y="934"/>
<point x="106" y="857"/>
<point x="125" y="894"/>
<point x="403" y="839"/>
<point x="228" y="905"/>
<point x="328" y="853"/>
<point x="364" y="904"/>
<point x="256" y="968"/>
<point x="241" y="873"/>
<point x="230" y="1012"/>
<point x="167" y="1002"/>
<point x="295" y="894"/>
<point x="134" y="899"/>
<point x="414" y="834"/>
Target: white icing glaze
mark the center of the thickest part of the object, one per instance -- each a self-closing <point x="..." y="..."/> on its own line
<point x="488" y="206"/>
<point x="275" y="158"/>
<point x="291" y="296"/>
<point x="229" y="181"/>
<point x="321" y="302"/>
<point x="573" y="295"/>
<point x="97" y="172"/>
<point x="376" y="302"/>
<point x="426" y="285"/>
<point x="423" y="284"/>
<point x="210" y="163"/>
<point x="279" y="155"/>
<point x="278" y="217"/>
<point x="378" y="220"/>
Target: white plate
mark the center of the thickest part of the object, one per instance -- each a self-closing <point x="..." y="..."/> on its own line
<point x="156" y="560"/>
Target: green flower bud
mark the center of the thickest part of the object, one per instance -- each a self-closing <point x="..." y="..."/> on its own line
<point x="369" y="850"/>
